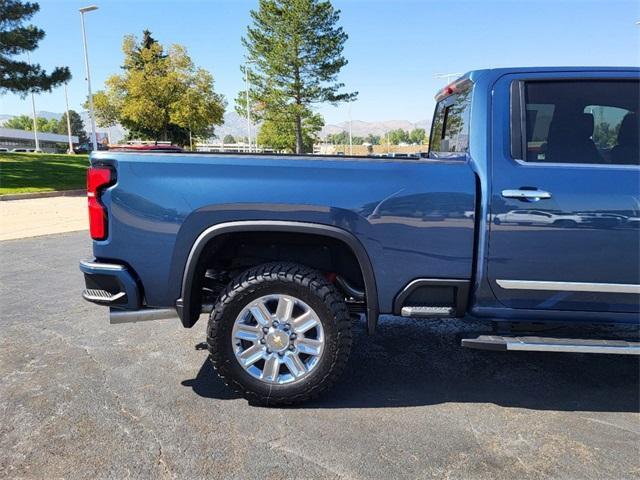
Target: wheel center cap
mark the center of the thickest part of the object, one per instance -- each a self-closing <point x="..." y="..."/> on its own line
<point x="277" y="341"/>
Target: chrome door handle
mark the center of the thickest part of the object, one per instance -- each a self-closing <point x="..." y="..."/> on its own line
<point x="526" y="194"/>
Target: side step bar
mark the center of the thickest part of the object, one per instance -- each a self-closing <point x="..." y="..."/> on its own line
<point x="147" y="314"/>
<point x="142" y="315"/>
<point x="542" y="344"/>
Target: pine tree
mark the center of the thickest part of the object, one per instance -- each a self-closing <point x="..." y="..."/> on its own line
<point x="19" y="76"/>
<point x="136" y="60"/>
<point x="77" y="126"/>
<point x="295" y="49"/>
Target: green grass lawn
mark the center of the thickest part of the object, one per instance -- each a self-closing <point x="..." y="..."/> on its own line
<point x="41" y="172"/>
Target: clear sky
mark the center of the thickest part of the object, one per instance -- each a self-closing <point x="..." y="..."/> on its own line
<point x="395" y="47"/>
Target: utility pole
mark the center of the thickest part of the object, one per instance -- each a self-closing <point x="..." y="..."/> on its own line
<point x="33" y="108"/>
<point x="66" y="101"/>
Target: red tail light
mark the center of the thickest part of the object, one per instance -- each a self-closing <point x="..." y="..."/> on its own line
<point x="98" y="178"/>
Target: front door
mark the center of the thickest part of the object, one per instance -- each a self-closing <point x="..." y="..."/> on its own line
<point x="565" y="202"/>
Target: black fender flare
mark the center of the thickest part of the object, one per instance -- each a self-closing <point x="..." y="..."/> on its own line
<point x="183" y="305"/>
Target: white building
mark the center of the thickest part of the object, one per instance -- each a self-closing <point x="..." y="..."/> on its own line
<point x="11" y="138"/>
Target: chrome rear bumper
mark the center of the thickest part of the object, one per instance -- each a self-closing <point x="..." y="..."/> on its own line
<point x="110" y="284"/>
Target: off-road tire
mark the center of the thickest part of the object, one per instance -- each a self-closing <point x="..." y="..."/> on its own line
<point x="311" y="287"/>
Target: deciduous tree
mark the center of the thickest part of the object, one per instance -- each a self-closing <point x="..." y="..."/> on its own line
<point x="20" y="122"/>
<point x="417" y="135"/>
<point x="398" y="136"/>
<point x="373" y="139"/>
<point x="25" y="122"/>
<point x="281" y="133"/>
<point x="161" y="95"/>
<point x="341" y="138"/>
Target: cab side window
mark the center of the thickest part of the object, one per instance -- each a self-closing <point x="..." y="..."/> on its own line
<point x="581" y="121"/>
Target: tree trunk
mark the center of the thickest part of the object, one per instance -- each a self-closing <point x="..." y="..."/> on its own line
<point x="299" y="141"/>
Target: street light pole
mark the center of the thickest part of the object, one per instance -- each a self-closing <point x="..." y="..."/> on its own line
<point x="84" y="10"/>
<point x="66" y="101"/>
<point x="35" y="122"/>
<point x="247" y="84"/>
<point x="33" y="108"/>
<point x="350" y="136"/>
<point x="246" y="89"/>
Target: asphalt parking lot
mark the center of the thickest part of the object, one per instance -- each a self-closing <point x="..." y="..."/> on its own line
<point x="80" y="398"/>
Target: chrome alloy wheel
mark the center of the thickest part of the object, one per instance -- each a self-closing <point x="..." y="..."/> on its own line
<point x="278" y="339"/>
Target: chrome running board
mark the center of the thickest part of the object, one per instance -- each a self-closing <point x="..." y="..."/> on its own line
<point x="427" y="312"/>
<point x="543" y="344"/>
<point x="143" y="315"/>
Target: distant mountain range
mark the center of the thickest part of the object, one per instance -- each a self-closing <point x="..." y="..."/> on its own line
<point x="236" y="125"/>
<point x="41" y="113"/>
<point x="360" y="128"/>
<point x="49" y="115"/>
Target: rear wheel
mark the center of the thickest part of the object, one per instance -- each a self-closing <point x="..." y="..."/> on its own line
<point x="279" y="334"/>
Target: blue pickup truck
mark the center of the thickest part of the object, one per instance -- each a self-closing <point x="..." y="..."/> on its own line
<point x="527" y="209"/>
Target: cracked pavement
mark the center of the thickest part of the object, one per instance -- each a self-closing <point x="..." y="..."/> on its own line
<point x="80" y="398"/>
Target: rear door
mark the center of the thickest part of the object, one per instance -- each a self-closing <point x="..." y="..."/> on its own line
<point x="568" y="148"/>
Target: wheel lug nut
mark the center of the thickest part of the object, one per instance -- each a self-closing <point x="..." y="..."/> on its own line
<point x="268" y="350"/>
<point x="293" y="336"/>
<point x="262" y="341"/>
<point x="275" y="323"/>
<point x="291" y="347"/>
<point x="280" y="354"/>
<point x="265" y="330"/>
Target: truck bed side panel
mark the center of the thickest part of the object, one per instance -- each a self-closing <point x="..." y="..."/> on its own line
<point x="415" y="218"/>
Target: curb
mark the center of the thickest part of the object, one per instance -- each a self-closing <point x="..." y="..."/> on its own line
<point x="59" y="193"/>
